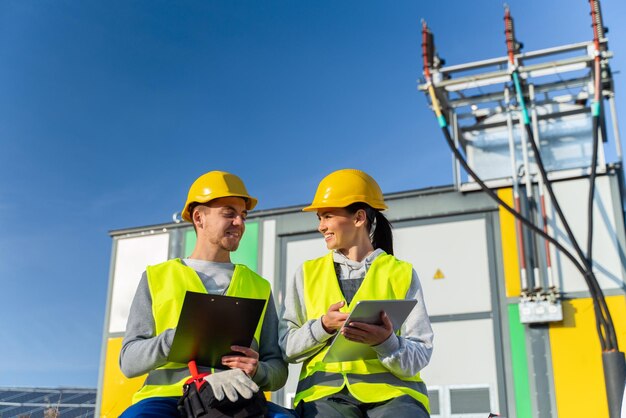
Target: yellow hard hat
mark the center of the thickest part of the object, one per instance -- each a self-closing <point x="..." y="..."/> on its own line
<point x="213" y="185"/>
<point x="343" y="187"/>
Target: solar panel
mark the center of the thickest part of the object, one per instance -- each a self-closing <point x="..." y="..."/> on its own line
<point x="47" y="402"/>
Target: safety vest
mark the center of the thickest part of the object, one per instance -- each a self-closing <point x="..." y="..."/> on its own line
<point x="168" y="283"/>
<point x="367" y="380"/>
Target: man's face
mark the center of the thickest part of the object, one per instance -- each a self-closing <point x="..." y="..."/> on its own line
<point x="220" y="223"/>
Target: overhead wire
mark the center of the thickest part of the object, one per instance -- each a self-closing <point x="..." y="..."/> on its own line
<point x="596" y="108"/>
<point x="604" y="323"/>
<point x="606" y="331"/>
<point x="444" y="126"/>
<point x="595" y="114"/>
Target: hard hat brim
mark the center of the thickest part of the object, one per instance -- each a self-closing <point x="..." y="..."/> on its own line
<point x="314" y="207"/>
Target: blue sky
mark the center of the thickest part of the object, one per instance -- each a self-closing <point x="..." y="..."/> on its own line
<point x="110" y="109"/>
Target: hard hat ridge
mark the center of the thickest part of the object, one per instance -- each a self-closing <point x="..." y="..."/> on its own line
<point x="213" y="185"/>
<point x="344" y="187"/>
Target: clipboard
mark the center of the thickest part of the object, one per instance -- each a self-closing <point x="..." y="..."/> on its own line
<point x="209" y="324"/>
<point x="368" y="311"/>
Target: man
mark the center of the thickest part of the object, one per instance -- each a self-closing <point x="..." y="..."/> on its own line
<point x="217" y="206"/>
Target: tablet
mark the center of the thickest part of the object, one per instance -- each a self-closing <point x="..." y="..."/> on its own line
<point x="368" y="311"/>
<point x="209" y="324"/>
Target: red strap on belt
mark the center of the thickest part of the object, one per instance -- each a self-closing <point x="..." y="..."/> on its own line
<point x="197" y="378"/>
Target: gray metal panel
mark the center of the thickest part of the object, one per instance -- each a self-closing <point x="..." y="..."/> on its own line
<point x="434" y="205"/>
<point x="460" y="317"/>
<point x="176" y="243"/>
<point x="434" y="398"/>
<point x="496" y="269"/>
<point x="506" y="392"/>
<point x="470" y="400"/>
<point x="540" y="364"/>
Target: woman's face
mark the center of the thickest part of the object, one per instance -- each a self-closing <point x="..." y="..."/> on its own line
<point x="339" y="228"/>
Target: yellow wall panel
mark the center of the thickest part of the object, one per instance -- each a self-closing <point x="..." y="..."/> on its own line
<point x="117" y="389"/>
<point x="508" y="238"/>
<point x="577" y="357"/>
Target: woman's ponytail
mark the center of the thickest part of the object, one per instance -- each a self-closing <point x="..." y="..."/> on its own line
<point x="378" y="226"/>
<point x="382" y="237"/>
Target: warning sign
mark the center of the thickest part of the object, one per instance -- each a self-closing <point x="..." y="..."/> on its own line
<point x="439" y="275"/>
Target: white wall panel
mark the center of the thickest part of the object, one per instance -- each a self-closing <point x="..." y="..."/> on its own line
<point x="458" y="250"/>
<point x="572" y="197"/>
<point x="131" y="258"/>
<point x="463" y="354"/>
<point x="300" y="251"/>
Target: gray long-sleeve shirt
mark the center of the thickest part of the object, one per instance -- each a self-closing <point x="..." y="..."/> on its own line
<point x="301" y="338"/>
<point x="143" y="351"/>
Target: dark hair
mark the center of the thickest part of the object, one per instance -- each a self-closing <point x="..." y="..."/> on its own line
<point x="382" y="237"/>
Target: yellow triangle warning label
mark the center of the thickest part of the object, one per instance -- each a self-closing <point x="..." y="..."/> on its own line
<point x="439" y="274"/>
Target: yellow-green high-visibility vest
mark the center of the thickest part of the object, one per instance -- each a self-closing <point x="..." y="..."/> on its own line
<point x="367" y="380"/>
<point x="168" y="283"/>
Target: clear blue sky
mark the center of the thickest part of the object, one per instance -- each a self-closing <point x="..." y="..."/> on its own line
<point x="110" y="109"/>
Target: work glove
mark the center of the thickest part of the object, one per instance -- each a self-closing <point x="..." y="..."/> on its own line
<point x="231" y="383"/>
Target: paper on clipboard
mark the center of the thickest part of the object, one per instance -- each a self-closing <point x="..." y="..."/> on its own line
<point x="209" y="324"/>
<point x="342" y="349"/>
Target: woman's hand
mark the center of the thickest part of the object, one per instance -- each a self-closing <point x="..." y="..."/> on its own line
<point x="369" y="334"/>
<point x="249" y="362"/>
<point x="334" y="319"/>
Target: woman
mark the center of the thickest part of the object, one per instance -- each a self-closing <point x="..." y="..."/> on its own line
<point x="360" y="266"/>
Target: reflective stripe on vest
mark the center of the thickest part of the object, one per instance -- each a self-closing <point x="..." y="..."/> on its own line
<point x="367" y="380"/>
<point x="168" y="282"/>
<point x="338" y="380"/>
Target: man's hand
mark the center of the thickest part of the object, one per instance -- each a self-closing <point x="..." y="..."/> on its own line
<point x="369" y="334"/>
<point x="333" y="319"/>
<point x="231" y="384"/>
<point x="249" y="362"/>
